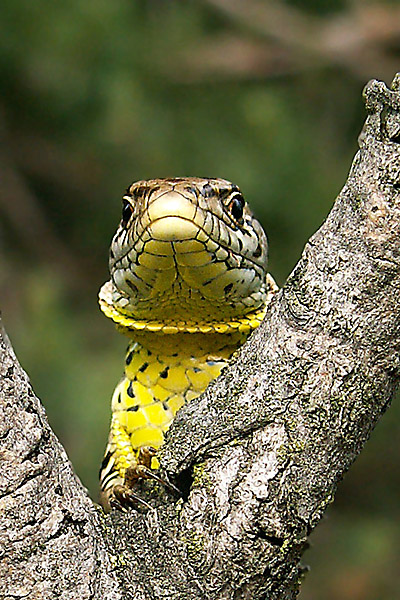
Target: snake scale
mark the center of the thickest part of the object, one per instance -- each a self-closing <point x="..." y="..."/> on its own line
<point x="189" y="283"/>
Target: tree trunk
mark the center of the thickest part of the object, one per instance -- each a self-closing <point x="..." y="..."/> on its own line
<point x="258" y="455"/>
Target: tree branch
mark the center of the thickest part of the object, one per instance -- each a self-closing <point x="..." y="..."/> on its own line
<point x="261" y="451"/>
<point x="50" y="533"/>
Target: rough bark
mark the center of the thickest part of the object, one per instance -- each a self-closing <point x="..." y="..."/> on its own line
<point x="260" y="454"/>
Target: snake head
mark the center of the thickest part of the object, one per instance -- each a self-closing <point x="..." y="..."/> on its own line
<point x="187" y="249"/>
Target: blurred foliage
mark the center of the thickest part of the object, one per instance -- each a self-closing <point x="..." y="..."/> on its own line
<point x="95" y="95"/>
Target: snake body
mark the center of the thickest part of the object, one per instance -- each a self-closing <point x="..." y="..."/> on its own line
<point x="188" y="284"/>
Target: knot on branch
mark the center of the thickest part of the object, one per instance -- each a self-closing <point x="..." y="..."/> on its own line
<point x="383" y="106"/>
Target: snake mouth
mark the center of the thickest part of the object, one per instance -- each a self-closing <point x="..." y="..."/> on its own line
<point x="171" y="217"/>
<point x="172" y="229"/>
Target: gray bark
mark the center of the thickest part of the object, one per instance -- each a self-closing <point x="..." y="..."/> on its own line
<point x="263" y="449"/>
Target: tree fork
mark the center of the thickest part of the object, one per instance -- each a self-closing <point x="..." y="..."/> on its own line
<point x="259" y="454"/>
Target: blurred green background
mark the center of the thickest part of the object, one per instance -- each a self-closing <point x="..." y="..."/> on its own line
<point x="95" y="95"/>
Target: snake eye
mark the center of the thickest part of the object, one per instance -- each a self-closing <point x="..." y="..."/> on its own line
<point x="127" y="211"/>
<point x="236" y="207"/>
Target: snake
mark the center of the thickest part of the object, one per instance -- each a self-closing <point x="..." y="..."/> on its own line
<point x="188" y="284"/>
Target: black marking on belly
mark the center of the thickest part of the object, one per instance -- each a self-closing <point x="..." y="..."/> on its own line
<point x="164" y="374"/>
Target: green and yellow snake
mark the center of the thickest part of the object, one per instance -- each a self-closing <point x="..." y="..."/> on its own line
<point x="188" y="284"/>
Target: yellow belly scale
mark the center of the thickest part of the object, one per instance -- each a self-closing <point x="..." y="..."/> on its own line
<point x="155" y="386"/>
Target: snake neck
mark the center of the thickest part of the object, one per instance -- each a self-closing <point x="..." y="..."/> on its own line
<point x="131" y="326"/>
<point x="170" y="362"/>
<point x="192" y="347"/>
